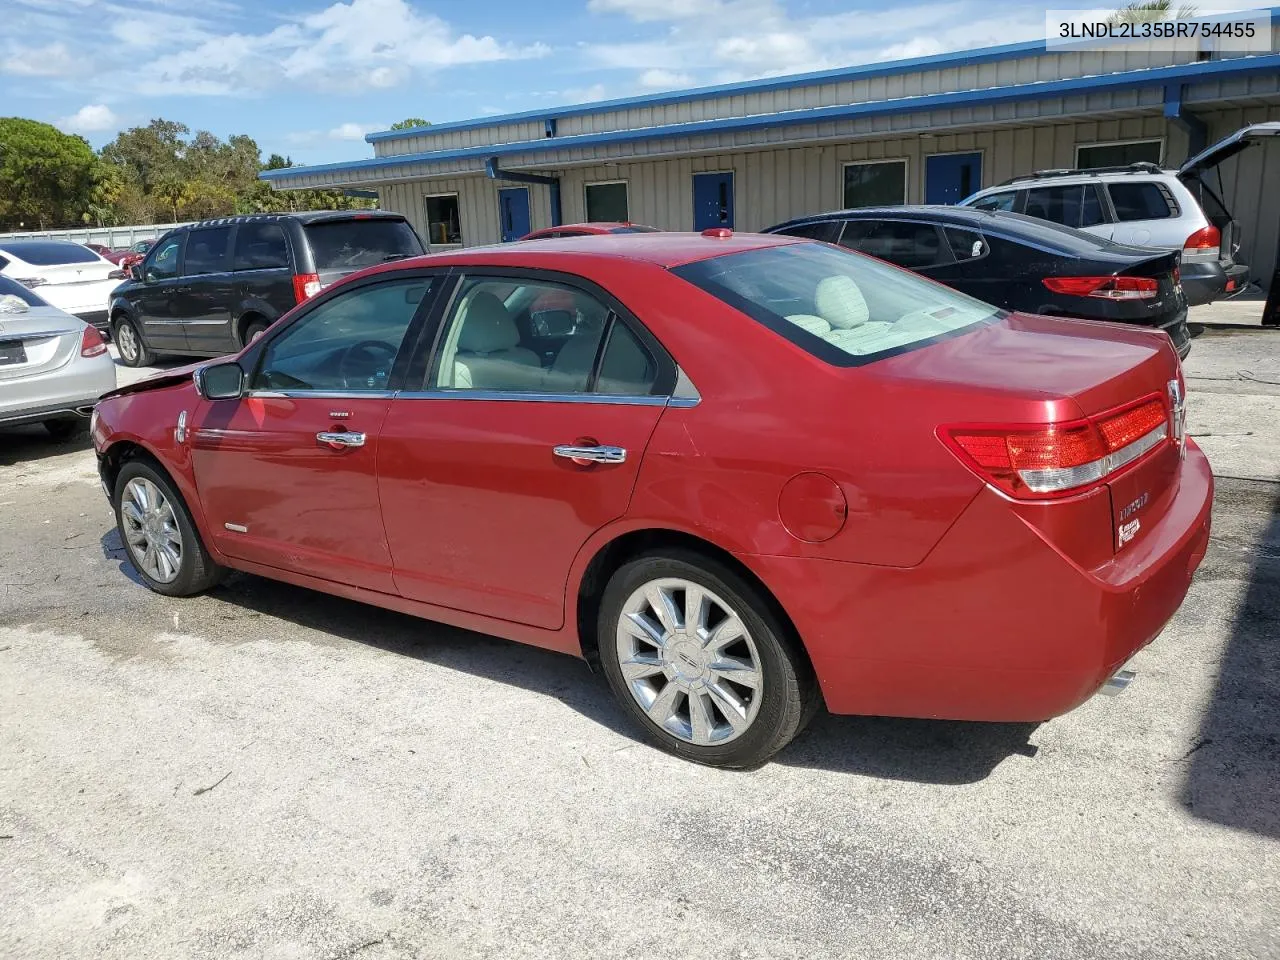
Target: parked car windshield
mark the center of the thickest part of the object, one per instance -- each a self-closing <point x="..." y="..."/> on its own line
<point x="352" y="244"/>
<point x="47" y="253"/>
<point x="12" y="288"/>
<point x="838" y="305"/>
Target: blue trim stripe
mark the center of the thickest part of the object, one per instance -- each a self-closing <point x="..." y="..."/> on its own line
<point x="1129" y="80"/>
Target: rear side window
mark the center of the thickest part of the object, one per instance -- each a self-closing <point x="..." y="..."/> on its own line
<point x="828" y="231"/>
<point x="48" y="253"/>
<point x="206" y="251"/>
<point x="843" y="308"/>
<point x="1072" y="205"/>
<point x="260" y="246"/>
<point x="353" y="244"/>
<point x="965" y="244"/>
<point x="910" y="245"/>
<point x="1141" y="200"/>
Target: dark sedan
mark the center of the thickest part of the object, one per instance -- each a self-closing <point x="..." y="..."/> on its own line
<point x="1016" y="262"/>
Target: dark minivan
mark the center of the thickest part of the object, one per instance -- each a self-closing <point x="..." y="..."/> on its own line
<point x="1016" y="262"/>
<point x="209" y="288"/>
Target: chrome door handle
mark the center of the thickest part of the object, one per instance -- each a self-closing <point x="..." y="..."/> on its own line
<point x="341" y="439"/>
<point x="598" y="454"/>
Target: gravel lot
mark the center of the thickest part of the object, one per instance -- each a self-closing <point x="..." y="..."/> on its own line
<point x="268" y="772"/>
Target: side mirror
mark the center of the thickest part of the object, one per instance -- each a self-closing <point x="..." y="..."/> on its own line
<point x="219" y="381"/>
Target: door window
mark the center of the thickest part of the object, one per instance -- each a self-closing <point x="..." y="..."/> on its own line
<point x="538" y="337"/>
<point x="345" y="344"/>
<point x="206" y="251"/>
<point x="260" y="246"/>
<point x="910" y="245"/>
<point x="827" y="231"/>
<point x="997" y="201"/>
<point x="1072" y="205"/>
<point x="163" y="263"/>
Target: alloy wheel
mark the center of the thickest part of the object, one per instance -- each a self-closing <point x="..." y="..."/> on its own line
<point x="128" y="341"/>
<point x="689" y="661"/>
<point x="151" y="530"/>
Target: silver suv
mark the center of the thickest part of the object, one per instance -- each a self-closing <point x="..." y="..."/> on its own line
<point x="1146" y="206"/>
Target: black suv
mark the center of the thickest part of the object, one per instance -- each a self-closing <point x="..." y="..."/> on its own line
<point x="209" y="288"/>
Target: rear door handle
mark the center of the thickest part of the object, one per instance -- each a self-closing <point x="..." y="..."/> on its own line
<point x="596" y="454"/>
<point x="341" y="439"/>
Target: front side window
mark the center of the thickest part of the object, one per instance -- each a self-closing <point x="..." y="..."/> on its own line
<point x="206" y="251"/>
<point x="996" y="201"/>
<point x="607" y="202"/>
<point x="880" y="184"/>
<point x="260" y="246"/>
<point x="345" y="344"/>
<point x="844" y="308"/>
<point x="1140" y="200"/>
<point x="444" y="221"/>
<point x="162" y="264"/>
<point x="828" y="231"/>
<point x="908" y="244"/>
<point x="538" y="337"/>
<point x="1072" y="205"/>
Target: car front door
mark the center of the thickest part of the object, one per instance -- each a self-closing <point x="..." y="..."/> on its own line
<point x="159" y="300"/>
<point x="287" y="473"/>
<point x="210" y="292"/>
<point x="496" y="472"/>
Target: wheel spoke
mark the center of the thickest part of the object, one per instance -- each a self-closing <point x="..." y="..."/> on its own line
<point x="664" y="705"/>
<point x="695" y="609"/>
<point x="736" y="671"/>
<point x="664" y="607"/>
<point x="700" y="717"/>
<point x="170" y="557"/>
<point x="642" y="628"/>
<point x="734" y="710"/>
<point x="151" y="561"/>
<point x="131" y="512"/>
<point x="729" y="631"/>
<point x="641" y="666"/>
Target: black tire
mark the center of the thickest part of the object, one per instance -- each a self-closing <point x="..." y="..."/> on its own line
<point x="254" y="329"/>
<point x="197" y="571"/>
<point x="790" y="696"/>
<point x="134" y="351"/>
<point x="67" y="428"/>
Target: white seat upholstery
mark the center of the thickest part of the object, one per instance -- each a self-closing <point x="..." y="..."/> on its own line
<point x="839" y="301"/>
<point x="810" y="324"/>
<point x="489" y="354"/>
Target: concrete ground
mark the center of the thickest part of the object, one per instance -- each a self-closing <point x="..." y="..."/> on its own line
<point x="267" y="772"/>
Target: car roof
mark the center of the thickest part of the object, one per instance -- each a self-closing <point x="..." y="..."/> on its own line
<point x="303" y="217"/>
<point x="662" y="249"/>
<point x="937" y="213"/>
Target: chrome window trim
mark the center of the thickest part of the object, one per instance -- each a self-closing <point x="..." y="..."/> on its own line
<point x="510" y="395"/>
<point x="320" y="394"/>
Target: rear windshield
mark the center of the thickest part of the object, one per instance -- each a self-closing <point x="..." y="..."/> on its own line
<point x="47" y="253"/>
<point x="840" y="306"/>
<point x="12" y="288"/>
<point x="352" y="244"/>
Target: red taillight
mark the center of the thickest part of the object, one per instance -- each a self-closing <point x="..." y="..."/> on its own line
<point x="1058" y="459"/>
<point x="1107" y="288"/>
<point x="91" y="343"/>
<point x="1204" y="244"/>
<point x="305" y="286"/>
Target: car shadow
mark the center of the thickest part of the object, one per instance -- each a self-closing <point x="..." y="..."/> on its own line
<point x="1233" y="765"/>
<point x="113" y="549"/>
<point x="927" y="751"/>
<point x="31" y="442"/>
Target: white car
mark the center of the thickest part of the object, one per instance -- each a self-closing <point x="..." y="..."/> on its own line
<point x="53" y="366"/>
<point x="1146" y="206"/>
<point x="67" y="275"/>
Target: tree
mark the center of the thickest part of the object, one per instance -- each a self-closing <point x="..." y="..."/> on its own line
<point x="410" y="123"/>
<point x="46" y="176"/>
<point x="1151" y="11"/>
<point x="149" y="154"/>
<point x="105" y="195"/>
<point x="277" y="162"/>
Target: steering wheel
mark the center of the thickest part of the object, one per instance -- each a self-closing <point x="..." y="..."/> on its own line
<point x="366" y="365"/>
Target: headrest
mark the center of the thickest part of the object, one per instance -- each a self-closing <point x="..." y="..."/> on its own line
<point x="839" y="301"/>
<point x="488" y="326"/>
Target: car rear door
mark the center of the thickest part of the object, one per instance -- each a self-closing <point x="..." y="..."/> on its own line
<point x="287" y="473"/>
<point x="500" y="467"/>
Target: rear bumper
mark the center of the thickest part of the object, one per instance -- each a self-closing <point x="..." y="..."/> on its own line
<point x="70" y="390"/>
<point x="1205" y="282"/>
<point x="995" y="624"/>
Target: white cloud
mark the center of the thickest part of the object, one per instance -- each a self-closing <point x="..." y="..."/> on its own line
<point x="644" y="11"/>
<point x="352" y="131"/>
<point x="91" y="118"/>
<point x="52" y="60"/>
<point x="657" y="79"/>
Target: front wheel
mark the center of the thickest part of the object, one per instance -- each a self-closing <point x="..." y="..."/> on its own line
<point x="134" y="351"/>
<point x="698" y="659"/>
<point x="159" y="535"/>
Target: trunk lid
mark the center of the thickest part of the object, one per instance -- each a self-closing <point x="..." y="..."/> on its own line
<point x="37" y="340"/>
<point x="1228" y="147"/>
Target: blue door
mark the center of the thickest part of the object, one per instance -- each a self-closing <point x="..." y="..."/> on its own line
<point x="712" y="200"/>
<point x="513" y="213"/>
<point x="950" y="177"/>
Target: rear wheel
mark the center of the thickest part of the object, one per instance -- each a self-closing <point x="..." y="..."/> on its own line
<point x="67" y="429"/>
<point x="696" y="656"/>
<point x="254" y="329"/>
<point x="159" y="535"/>
<point x="134" y="351"/>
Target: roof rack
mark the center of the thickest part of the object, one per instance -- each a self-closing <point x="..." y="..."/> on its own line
<point x="1142" y="166"/>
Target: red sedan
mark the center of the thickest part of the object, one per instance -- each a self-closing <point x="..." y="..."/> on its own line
<point x="745" y="476"/>
<point x="587" y="230"/>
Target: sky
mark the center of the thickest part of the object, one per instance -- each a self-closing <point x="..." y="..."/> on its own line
<point x="309" y="78"/>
